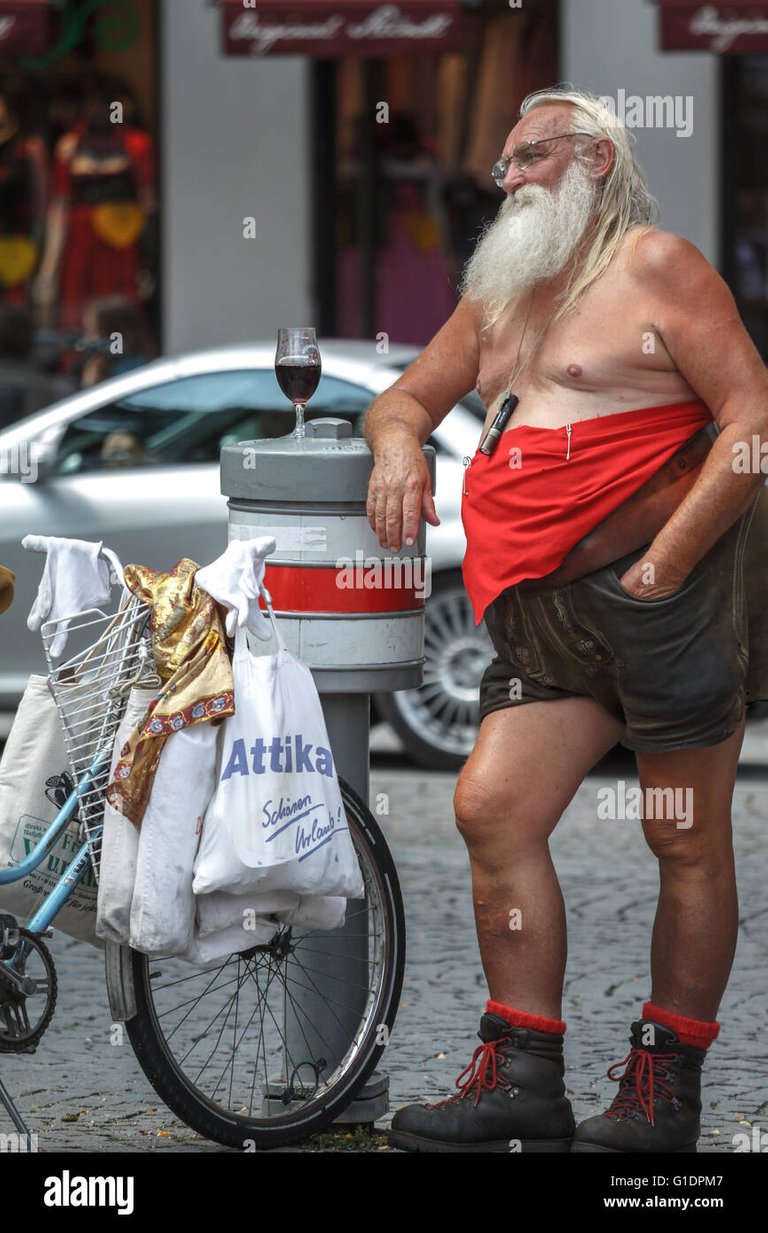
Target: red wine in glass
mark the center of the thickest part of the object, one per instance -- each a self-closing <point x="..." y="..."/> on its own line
<point x="298" y="369"/>
<point x="297" y="378"/>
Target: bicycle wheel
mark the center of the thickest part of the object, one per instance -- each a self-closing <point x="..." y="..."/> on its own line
<point x="267" y="1046"/>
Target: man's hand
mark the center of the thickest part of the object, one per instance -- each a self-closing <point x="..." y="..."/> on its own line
<point x="402" y="419"/>
<point x="641" y="582"/>
<point x="400" y="492"/>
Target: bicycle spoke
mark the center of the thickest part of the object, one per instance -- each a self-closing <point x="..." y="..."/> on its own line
<point x="325" y="998"/>
<point x="298" y="1008"/>
<point x="279" y="1036"/>
<point x="193" y="1002"/>
<point x="284" y="1042"/>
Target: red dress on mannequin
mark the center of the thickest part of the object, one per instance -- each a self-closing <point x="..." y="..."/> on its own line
<point x="101" y="255"/>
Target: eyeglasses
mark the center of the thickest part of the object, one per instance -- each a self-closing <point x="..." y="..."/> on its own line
<point x="524" y="155"/>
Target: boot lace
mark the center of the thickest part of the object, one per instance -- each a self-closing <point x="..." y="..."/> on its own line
<point x="482" y="1075"/>
<point x="642" y="1083"/>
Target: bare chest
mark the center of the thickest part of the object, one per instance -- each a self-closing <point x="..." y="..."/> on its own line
<point x="606" y="352"/>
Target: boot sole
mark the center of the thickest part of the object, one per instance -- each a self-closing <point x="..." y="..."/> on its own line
<point x="414" y="1143"/>
<point x="593" y="1147"/>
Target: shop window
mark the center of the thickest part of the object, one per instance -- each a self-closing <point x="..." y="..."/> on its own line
<point x="409" y="141"/>
<point x="745" y="187"/>
<point x="79" y="231"/>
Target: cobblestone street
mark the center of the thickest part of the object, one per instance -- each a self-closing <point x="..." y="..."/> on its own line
<point x="80" y="1092"/>
<point x="609" y="881"/>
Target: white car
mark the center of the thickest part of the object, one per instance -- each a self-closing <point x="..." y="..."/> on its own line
<point x="134" y="461"/>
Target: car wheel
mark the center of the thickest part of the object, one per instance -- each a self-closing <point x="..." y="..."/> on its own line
<point x="437" y="723"/>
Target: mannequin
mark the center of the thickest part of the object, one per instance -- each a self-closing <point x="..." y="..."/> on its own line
<point x="414" y="290"/>
<point x="102" y="217"/>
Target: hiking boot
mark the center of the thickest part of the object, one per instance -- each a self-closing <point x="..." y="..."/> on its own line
<point x="658" y="1104"/>
<point x="511" y="1097"/>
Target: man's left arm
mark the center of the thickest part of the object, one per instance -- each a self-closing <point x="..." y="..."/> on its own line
<point x="697" y="319"/>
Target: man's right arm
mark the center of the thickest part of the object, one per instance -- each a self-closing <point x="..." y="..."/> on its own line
<point x="401" y="420"/>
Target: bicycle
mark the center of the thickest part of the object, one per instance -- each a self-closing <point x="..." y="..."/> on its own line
<point x="322" y="1028"/>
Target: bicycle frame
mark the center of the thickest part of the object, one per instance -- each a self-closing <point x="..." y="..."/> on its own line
<point x="75" y="871"/>
<point x="105" y="670"/>
<point x="118" y="655"/>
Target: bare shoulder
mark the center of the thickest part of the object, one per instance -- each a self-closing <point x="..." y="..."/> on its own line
<point x="660" y="259"/>
<point x="694" y="313"/>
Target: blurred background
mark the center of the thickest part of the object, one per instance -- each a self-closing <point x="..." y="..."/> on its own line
<point x="360" y="153"/>
<point x="185" y="176"/>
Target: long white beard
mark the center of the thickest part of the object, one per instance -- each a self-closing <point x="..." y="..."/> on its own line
<point x="533" y="237"/>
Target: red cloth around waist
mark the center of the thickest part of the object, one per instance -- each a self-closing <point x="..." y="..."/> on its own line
<point x="529" y="503"/>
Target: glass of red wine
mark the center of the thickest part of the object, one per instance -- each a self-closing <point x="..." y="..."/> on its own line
<point x="298" y="369"/>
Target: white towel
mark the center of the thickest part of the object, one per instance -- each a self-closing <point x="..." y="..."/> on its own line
<point x="234" y="578"/>
<point x="75" y="579"/>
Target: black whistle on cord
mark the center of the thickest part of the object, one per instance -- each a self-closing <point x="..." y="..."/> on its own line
<point x="491" y="439"/>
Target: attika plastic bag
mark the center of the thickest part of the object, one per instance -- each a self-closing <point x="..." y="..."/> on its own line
<point x="276" y="820"/>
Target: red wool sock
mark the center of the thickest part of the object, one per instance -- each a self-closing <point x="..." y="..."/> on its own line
<point x="521" y="1018"/>
<point x="689" y="1031"/>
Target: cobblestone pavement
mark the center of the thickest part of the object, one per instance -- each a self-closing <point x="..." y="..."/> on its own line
<point x="80" y="1093"/>
<point x="609" y="881"/>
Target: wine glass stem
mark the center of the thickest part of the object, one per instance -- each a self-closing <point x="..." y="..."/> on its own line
<point x="298" y="431"/>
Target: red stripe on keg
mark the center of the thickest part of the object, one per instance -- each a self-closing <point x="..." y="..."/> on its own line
<point x="300" y="589"/>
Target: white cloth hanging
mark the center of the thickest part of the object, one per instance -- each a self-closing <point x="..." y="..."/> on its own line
<point x="234" y="580"/>
<point x="75" y="579"/>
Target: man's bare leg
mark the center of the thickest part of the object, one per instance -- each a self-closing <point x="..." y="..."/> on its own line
<point x="658" y="1105"/>
<point x="523" y="772"/>
<point x="694" y="934"/>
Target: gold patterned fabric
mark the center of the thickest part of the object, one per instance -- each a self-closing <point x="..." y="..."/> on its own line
<point x="7" y="579"/>
<point x="193" y="662"/>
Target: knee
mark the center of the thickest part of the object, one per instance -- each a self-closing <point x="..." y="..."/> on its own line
<point x="667" y="842"/>
<point x="679" y="849"/>
<point x="492" y="820"/>
<point x="477" y="807"/>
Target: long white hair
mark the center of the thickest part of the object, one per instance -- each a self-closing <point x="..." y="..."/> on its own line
<point x="624" y="200"/>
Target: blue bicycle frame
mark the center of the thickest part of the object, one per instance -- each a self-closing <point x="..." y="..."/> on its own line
<point x="76" y="869"/>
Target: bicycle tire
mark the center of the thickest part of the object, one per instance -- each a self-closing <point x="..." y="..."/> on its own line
<point x="237" y="1129"/>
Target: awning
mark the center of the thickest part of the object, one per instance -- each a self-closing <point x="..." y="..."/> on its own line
<point x="729" y="26"/>
<point x="329" y="28"/>
<point x="23" y="27"/>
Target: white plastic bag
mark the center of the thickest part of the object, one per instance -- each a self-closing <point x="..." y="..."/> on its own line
<point x="34" y="783"/>
<point x="163" y="906"/>
<point x="229" y="941"/>
<point x="120" y="840"/>
<point x="277" y="820"/>
<point x="221" y="911"/>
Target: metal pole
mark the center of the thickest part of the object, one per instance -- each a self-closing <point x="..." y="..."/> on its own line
<point x="311" y="498"/>
<point x="322" y="1019"/>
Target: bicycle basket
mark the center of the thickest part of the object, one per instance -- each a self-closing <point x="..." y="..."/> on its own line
<point x="90" y="689"/>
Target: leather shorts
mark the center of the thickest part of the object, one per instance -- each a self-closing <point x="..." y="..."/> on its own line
<point x="673" y="671"/>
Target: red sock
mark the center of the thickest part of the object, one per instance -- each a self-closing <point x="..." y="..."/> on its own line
<point x="689" y="1031"/>
<point x="521" y="1018"/>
